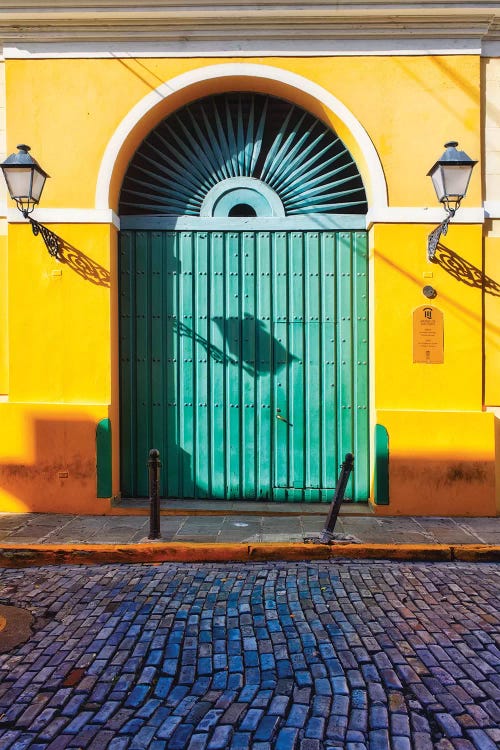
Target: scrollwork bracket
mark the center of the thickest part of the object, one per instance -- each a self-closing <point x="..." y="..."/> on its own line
<point x="435" y="236"/>
<point x="52" y="241"/>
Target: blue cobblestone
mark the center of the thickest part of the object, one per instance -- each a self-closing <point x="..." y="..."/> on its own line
<point x="22" y="742"/>
<point x="142" y="740"/>
<point x="221" y="738"/>
<point x="73" y="706"/>
<point x="78" y="722"/>
<point x="236" y="681"/>
<point x="168" y="727"/>
<point x="252" y="719"/>
<point x="315" y="728"/>
<point x="401" y="743"/>
<point x="378" y="717"/>
<point x="267" y="728"/>
<point x="132" y="726"/>
<point x="181" y="736"/>
<point x="241" y="741"/>
<point x="192" y="657"/>
<point x="210" y="719"/>
<point x="219" y="681"/>
<point x="287" y="739"/>
<point x="119" y="743"/>
<point x="481" y="739"/>
<point x="248" y="693"/>
<point x="297" y="716"/>
<point x="137" y="696"/>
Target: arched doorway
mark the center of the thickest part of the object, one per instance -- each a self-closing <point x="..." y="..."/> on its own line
<point x="243" y="305"/>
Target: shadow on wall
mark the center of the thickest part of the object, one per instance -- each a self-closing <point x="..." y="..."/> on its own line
<point x="81" y="264"/>
<point x="446" y="486"/>
<point x="60" y="476"/>
<point x="246" y="346"/>
<point x="252" y="345"/>
<point x="75" y="259"/>
<point x="246" y="339"/>
<point x="464" y="271"/>
<point x="59" y="471"/>
<point x="213" y="351"/>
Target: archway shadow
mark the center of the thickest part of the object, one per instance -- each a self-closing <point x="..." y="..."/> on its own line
<point x="464" y="271"/>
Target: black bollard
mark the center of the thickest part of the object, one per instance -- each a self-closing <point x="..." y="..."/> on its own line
<point x="154" y="464"/>
<point x="326" y="535"/>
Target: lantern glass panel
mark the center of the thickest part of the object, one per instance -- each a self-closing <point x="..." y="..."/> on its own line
<point x="18" y="182"/>
<point x="456" y="179"/>
<point x="438" y="182"/>
<point x="37" y="187"/>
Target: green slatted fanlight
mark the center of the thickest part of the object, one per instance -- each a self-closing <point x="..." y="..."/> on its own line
<point x="242" y="135"/>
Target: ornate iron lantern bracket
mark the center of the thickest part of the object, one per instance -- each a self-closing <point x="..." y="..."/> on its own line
<point x="52" y="241"/>
<point x="435" y="236"/>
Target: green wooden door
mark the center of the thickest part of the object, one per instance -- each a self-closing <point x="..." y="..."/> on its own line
<point x="243" y="359"/>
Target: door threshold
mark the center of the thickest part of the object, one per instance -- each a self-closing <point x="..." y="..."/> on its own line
<point x="193" y="507"/>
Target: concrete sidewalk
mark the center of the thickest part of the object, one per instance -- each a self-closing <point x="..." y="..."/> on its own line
<point x="228" y="528"/>
<point x="231" y="532"/>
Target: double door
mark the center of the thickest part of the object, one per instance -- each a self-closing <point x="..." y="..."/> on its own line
<point x="243" y="359"/>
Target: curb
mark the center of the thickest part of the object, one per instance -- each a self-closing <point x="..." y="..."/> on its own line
<point x="27" y="555"/>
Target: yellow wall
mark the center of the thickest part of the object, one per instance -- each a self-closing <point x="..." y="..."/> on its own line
<point x="47" y="458"/>
<point x="59" y="330"/>
<point x="60" y="356"/>
<point x="67" y="110"/>
<point x="491" y="109"/>
<point x="441" y="463"/>
<point x="4" y="367"/>
<point x="441" y="443"/>
<point x="62" y="318"/>
<point x="492" y="315"/>
<point x="401" y="270"/>
<point x="4" y="298"/>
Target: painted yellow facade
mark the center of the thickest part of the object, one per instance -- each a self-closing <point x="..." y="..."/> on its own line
<point x="59" y="367"/>
<point x="100" y="94"/>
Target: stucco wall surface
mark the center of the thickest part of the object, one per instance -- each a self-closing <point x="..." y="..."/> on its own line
<point x="61" y="327"/>
<point x="409" y="106"/>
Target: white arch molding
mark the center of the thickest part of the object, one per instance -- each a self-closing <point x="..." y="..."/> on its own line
<point x="378" y="187"/>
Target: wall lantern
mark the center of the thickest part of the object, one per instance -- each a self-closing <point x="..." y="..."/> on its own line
<point x="25" y="179"/>
<point x="450" y="176"/>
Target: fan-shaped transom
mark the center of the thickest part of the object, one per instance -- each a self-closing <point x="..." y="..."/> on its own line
<point x="242" y="154"/>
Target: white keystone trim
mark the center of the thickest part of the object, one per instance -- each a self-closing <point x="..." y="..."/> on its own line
<point x="378" y="188"/>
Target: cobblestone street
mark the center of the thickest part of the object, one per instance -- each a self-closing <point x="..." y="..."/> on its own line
<point x="264" y="655"/>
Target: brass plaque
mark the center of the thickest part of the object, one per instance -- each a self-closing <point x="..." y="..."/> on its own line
<point x="428" y="335"/>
